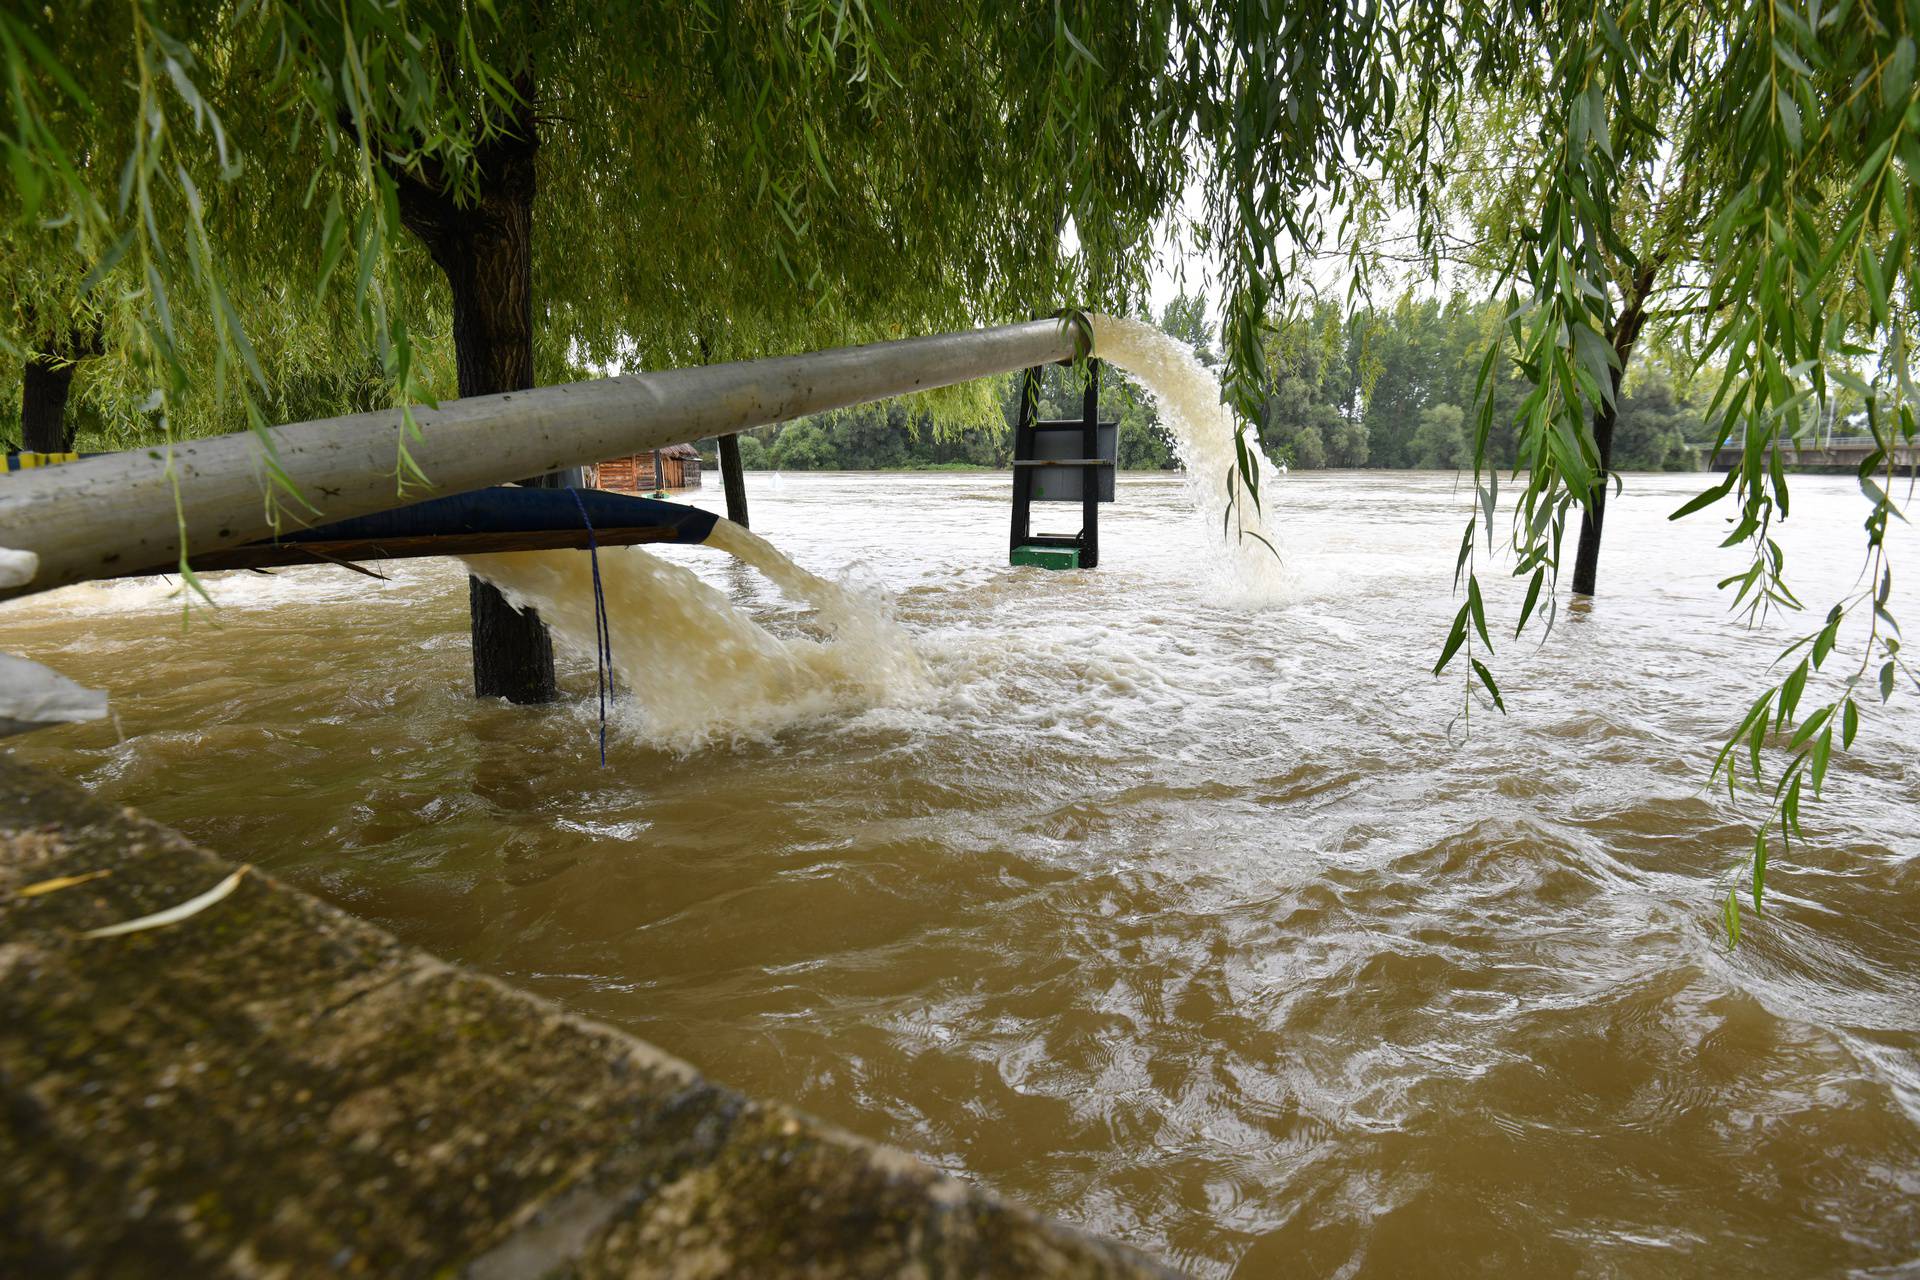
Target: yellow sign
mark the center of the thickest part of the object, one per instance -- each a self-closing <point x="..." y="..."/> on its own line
<point x="27" y="461"/>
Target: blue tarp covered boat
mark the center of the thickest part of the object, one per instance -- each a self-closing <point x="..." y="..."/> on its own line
<point x="503" y="518"/>
<point x="506" y="518"/>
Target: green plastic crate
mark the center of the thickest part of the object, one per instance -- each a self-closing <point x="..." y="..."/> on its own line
<point x="1047" y="557"/>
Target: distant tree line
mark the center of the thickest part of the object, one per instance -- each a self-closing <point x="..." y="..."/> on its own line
<point x="893" y="435"/>
<point x="1389" y="386"/>
<point x="1395" y="386"/>
<point x="896" y="435"/>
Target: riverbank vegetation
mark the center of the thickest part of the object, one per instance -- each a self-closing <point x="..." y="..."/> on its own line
<point x="1391" y="387"/>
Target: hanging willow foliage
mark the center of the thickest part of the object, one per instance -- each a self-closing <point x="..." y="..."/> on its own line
<point x="215" y="189"/>
<point x="1754" y="166"/>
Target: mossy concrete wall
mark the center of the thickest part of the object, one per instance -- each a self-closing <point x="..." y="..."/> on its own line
<point x="275" y="1088"/>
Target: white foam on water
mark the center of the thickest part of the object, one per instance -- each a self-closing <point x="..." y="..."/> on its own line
<point x="698" y="670"/>
<point x="233" y="590"/>
<point x="1188" y="396"/>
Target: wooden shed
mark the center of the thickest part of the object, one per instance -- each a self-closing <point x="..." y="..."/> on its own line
<point x="675" y="467"/>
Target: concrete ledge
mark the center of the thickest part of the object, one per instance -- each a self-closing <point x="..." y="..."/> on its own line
<point x="275" y="1088"/>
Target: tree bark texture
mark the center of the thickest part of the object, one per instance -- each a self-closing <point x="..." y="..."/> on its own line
<point x="44" y="385"/>
<point x="486" y="250"/>
<point x="1626" y="332"/>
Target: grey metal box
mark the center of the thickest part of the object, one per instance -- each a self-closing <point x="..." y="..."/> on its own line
<point x="1063" y="484"/>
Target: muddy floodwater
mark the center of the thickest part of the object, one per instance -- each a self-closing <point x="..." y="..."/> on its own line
<point x="1192" y="919"/>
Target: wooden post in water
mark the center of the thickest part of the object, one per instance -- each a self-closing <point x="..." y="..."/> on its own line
<point x="734" y="479"/>
<point x="1090" y="478"/>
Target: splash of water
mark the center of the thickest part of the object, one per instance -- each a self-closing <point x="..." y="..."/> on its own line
<point x="1188" y="396"/>
<point x="697" y="668"/>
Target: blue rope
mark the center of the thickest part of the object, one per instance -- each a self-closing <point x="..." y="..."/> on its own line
<point x="602" y="629"/>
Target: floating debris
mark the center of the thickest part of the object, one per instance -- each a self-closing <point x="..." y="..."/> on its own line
<point x="60" y="882"/>
<point x="17" y="567"/>
<point x="33" y="697"/>
<point x="172" y="915"/>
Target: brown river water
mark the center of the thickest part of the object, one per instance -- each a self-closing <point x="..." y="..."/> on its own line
<point x="1190" y="919"/>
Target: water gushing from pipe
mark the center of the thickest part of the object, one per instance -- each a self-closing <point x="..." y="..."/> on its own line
<point x="1188" y="396"/>
<point x="700" y="670"/>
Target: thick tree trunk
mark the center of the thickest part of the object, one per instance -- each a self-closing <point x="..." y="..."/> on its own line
<point x="486" y="251"/>
<point x="734" y="479"/>
<point x="44" y="385"/>
<point x="1626" y="332"/>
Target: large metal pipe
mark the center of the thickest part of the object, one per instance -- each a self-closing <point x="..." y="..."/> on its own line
<point x="114" y="514"/>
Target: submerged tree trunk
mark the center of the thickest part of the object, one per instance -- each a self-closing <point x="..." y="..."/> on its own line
<point x="485" y="249"/>
<point x="44" y="385"/>
<point x="1626" y="332"/>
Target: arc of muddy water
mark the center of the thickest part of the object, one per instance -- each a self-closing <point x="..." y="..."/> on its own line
<point x="1203" y="431"/>
<point x="730" y="676"/>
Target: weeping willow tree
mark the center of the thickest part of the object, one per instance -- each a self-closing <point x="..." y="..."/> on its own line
<point x="654" y="182"/>
<point x="1741" y="178"/>
<point x="667" y="183"/>
<point x="587" y="181"/>
<point x="1491" y="179"/>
